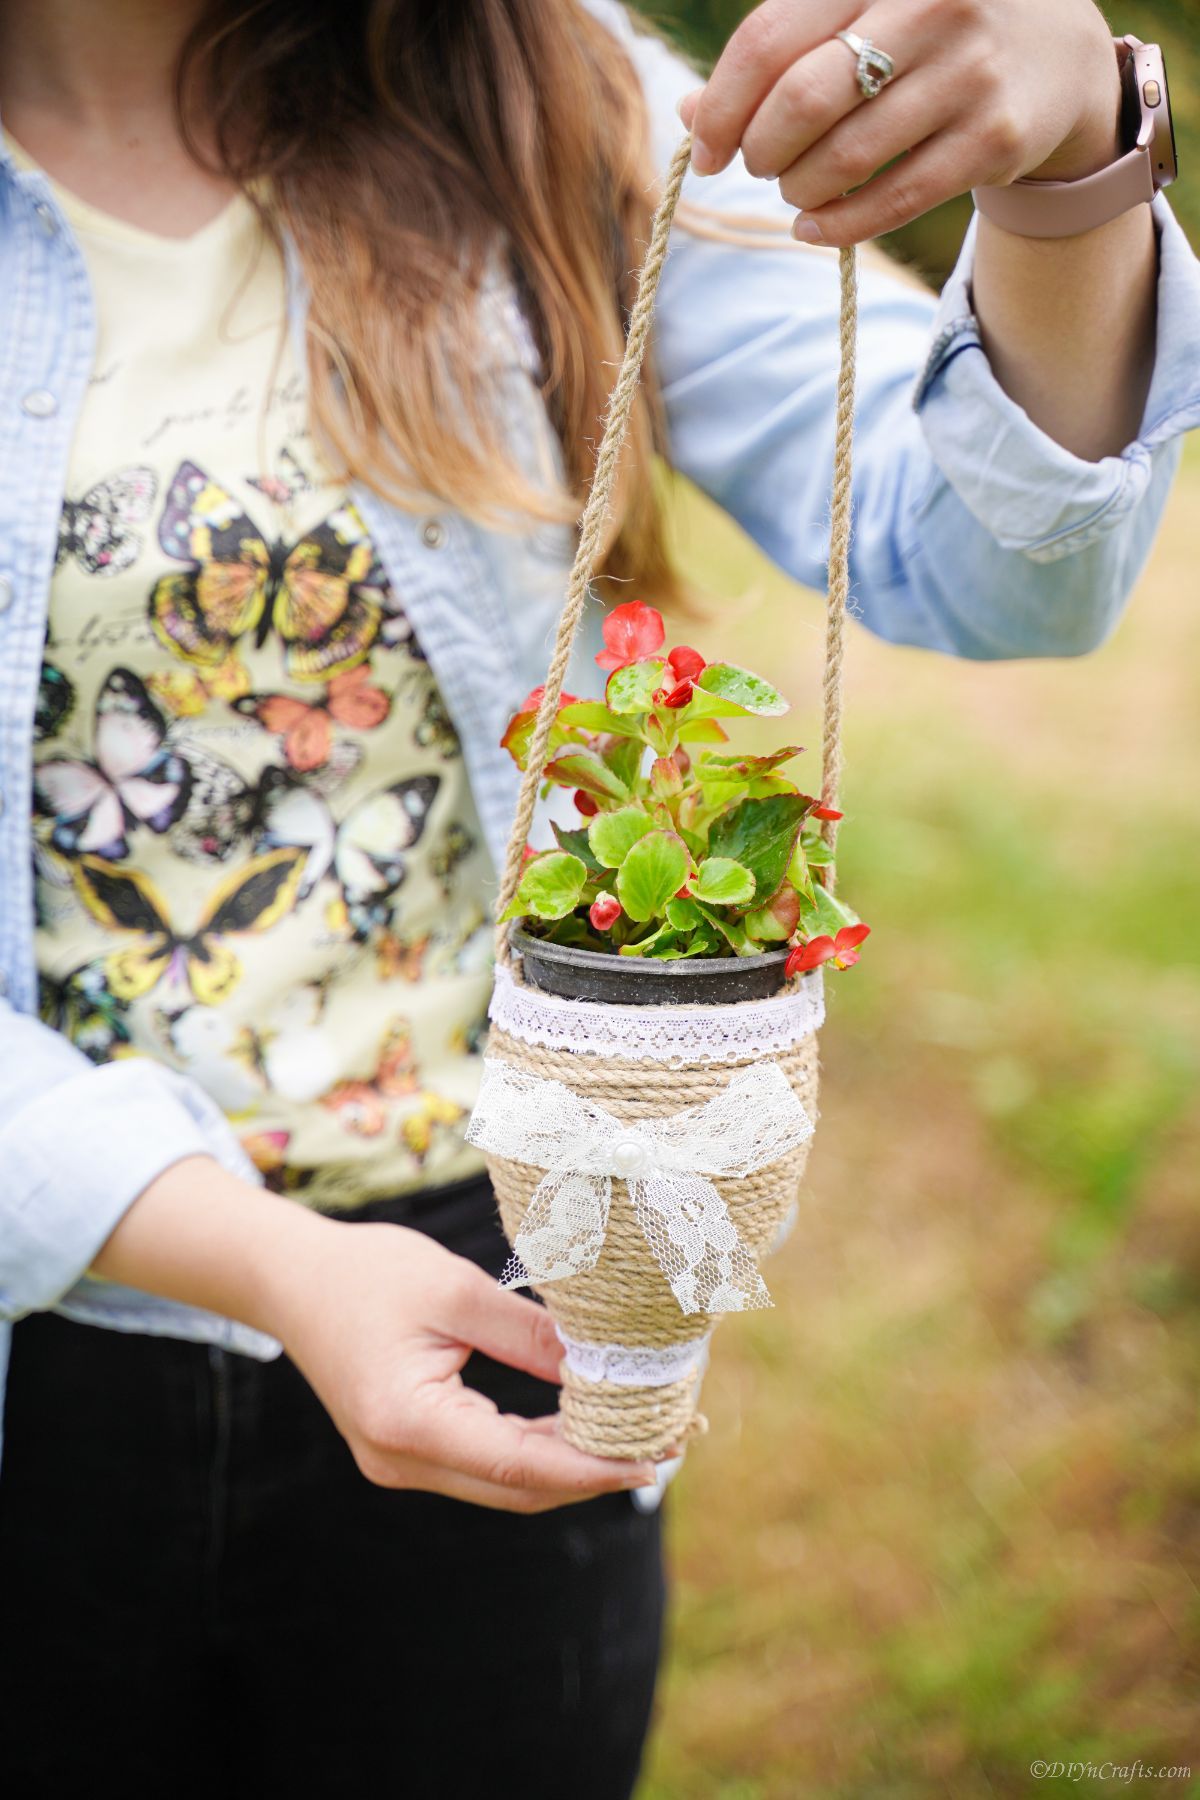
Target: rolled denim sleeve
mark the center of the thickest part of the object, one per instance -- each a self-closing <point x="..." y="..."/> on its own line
<point x="975" y="533"/>
<point x="78" y="1144"/>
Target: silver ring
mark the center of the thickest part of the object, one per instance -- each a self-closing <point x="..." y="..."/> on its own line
<point x="875" y="66"/>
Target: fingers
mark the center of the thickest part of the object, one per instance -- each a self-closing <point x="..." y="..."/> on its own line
<point x="923" y="179"/>
<point x="810" y="98"/>
<point x="505" y="1326"/>
<point x="856" y="148"/>
<point x="463" y="1431"/>
<point x="764" y="45"/>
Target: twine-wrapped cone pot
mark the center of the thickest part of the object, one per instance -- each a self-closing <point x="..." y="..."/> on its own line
<point x="645" y="1132"/>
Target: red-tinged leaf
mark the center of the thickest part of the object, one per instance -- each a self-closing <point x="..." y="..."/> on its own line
<point x="751" y="765"/>
<point x="775" y="922"/>
<point x="631" y="633"/>
<point x="604" y="912"/>
<point x="666" y="777"/>
<point x="585" y="768"/>
<point x="809" y="956"/>
<point x="534" y="697"/>
<point x="686" y="663"/>
<point x="516" y="737"/>
<point x="519" y="735"/>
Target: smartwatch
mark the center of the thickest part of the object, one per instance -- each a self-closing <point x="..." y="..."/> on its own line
<point x="1059" y="209"/>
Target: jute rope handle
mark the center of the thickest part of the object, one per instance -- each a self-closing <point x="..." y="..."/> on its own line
<point x="595" y="514"/>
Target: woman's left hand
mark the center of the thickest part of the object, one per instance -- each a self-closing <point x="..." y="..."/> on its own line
<point x="984" y="93"/>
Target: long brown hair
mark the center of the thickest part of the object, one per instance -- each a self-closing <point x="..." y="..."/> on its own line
<point x="401" y="143"/>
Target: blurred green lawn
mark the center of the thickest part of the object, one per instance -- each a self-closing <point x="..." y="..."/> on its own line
<point x="947" y="1520"/>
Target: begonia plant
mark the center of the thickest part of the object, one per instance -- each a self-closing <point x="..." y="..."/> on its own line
<point x="684" y="847"/>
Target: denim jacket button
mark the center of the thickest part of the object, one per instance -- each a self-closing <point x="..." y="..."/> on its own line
<point x="6" y="593"/>
<point x="433" y="534"/>
<point x="39" y="403"/>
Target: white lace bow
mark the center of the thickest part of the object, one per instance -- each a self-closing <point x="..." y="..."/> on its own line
<point x="752" y="1123"/>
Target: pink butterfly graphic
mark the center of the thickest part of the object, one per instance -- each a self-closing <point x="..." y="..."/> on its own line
<point x="136" y="778"/>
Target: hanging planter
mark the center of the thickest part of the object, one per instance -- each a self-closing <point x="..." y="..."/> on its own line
<point x="650" y="1085"/>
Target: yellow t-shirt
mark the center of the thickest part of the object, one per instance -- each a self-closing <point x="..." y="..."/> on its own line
<point x="257" y="853"/>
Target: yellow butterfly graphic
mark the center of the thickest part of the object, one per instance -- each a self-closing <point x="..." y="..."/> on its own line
<point x="252" y="899"/>
<point x="324" y="596"/>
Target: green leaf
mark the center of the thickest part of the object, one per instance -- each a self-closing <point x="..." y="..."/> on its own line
<point x="551" y="887"/>
<point x="816" y="850"/>
<point x="733" y="933"/>
<point x="593" y="716"/>
<point x="587" y="769"/>
<point x="700" y="730"/>
<point x="760" y="834"/>
<point x="623" y="756"/>
<point x="683" y="915"/>
<point x="575" y="843"/>
<point x="705" y="709"/>
<point x="613" y="835"/>
<point x="725" y="681"/>
<point x="632" y="689"/>
<point x="798" y="872"/>
<point x="652" y="873"/>
<point x="827" y="917"/>
<point x="723" y="883"/>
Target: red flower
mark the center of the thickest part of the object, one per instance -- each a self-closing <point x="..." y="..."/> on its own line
<point x="826" y="812"/>
<point x="586" y="804"/>
<point x="604" y="912"/>
<point x="686" y="664"/>
<point x="533" y="699"/>
<point x="632" y="633"/>
<point x="675" y="697"/>
<point x="842" y="951"/>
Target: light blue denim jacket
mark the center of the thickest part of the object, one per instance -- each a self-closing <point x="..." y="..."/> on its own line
<point x="975" y="535"/>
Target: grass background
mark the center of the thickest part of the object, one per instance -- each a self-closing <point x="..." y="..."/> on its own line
<point x="948" y="1517"/>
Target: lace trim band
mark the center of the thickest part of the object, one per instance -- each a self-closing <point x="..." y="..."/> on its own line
<point x="632" y="1365"/>
<point x="670" y="1034"/>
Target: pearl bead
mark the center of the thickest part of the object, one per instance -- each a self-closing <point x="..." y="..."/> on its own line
<point x="629" y="1158"/>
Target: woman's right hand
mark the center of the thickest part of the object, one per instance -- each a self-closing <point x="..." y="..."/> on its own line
<point x="380" y="1320"/>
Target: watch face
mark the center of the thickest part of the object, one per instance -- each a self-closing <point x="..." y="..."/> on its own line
<point x="1150" y="81"/>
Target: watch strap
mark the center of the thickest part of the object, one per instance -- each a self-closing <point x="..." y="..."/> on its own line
<point x="1059" y="209"/>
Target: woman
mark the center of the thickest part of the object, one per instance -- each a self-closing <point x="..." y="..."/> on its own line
<point x="306" y="316"/>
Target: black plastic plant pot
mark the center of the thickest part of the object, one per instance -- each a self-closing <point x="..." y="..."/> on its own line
<point x="644" y="981"/>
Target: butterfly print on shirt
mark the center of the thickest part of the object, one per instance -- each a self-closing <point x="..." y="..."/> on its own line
<point x="306" y="727"/>
<point x="323" y="596"/>
<point x="361" y="1106"/>
<point x="366" y="852"/>
<point x="251" y="900"/>
<point x="136" y="777"/>
<point x="98" y="530"/>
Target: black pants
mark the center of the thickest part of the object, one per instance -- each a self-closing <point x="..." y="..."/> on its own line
<point x="199" y="1593"/>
